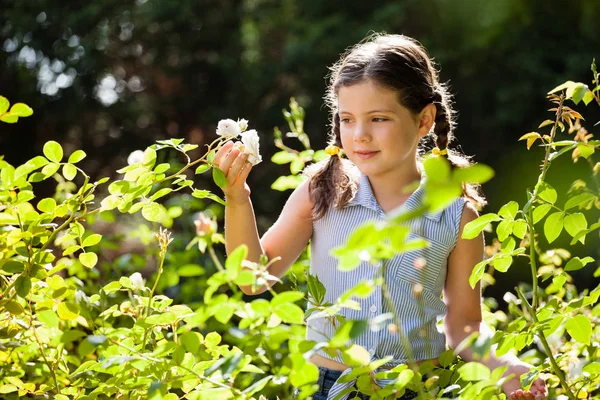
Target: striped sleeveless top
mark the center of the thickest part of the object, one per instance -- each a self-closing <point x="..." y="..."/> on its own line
<point x="415" y="286"/>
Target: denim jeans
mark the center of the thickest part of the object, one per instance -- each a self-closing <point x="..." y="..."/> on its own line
<point x="327" y="378"/>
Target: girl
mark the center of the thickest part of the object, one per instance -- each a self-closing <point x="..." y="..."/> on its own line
<point x="384" y="97"/>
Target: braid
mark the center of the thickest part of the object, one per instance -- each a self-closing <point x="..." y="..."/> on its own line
<point x="332" y="183"/>
<point x="443" y="121"/>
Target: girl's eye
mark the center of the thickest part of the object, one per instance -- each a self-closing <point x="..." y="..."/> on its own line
<point x="379" y="119"/>
<point x="344" y="120"/>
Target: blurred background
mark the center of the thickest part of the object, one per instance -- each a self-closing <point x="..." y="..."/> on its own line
<point x="114" y="76"/>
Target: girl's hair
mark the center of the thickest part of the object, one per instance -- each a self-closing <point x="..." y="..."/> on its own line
<point x="401" y="64"/>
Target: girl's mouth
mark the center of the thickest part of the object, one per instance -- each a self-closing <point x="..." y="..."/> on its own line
<point x="365" y="155"/>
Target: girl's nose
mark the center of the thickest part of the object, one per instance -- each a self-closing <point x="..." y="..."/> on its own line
<point x="362" y="133"/>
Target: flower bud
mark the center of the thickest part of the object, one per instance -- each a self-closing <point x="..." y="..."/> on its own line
<point x="205" y="225"/>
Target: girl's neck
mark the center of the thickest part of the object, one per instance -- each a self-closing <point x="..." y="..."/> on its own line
<point x="389" y="188"/>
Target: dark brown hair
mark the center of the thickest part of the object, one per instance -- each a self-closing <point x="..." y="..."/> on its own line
<point x="399" y="63"/>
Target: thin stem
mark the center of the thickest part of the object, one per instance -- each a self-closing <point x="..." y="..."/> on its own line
<point x="37" y="340"/>
<point x="557" y="371"/>
<point x="533" y="262"/>
<point x="218" y="264"/>
<point x="151" y="295"/>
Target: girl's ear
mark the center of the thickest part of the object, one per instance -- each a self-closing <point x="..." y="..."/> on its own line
<point x="426" y="119"/>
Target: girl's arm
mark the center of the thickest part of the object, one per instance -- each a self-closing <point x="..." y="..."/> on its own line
<point x="463" y="315"/>
<point x="286" y="238"/>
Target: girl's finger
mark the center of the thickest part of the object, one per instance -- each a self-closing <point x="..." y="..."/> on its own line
<point x="222" y="153"/>
<point x="236" y="167"/>
<point x="245" y="172"/>
<point x="226" y="162"/>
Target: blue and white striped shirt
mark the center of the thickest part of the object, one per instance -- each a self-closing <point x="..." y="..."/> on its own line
<point x="415" y="286"/>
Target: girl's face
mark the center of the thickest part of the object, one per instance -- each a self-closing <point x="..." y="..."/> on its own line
<point x="379" y="135"/>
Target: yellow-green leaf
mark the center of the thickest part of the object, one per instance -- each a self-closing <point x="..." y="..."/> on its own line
<point x="76" y="156"/>
<point x="88" y="259"/>
<point x="68" y="311"/>
<point x="47" y="205"/>
<point x="53" y="151"/>
<point x="474" y="371"/>
<point x="92" y="240"/>
<point x="21" y="110"/>
<point x="575" y="223"/>
<point x="4" y="104"/>
<point x="580" y="329"/>
<point x="69" y="171"/>
<point x="553" y="226"/>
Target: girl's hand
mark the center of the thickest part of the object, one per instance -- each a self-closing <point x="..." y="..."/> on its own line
<point x="232" y="162"/>
<point x="513" y="390"/>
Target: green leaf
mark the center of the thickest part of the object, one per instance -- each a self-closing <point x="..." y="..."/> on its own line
<point x="553" y="226"/>
<point x="477" y="273"/>
<point x="68" y="311"/>
<point x="219" y="177"/>
<point x="149" y="158"/>
<point x="12" y="307"/>
<point x="23" y="286"/>
<point x="284" y="183"/>
<point x="286" y="297"/>
<point x="575" y="223"/>
<point x="21" y="110"/>
<point x="161" y="319"/>
<point x="540" y="212"/>
<point x="356" y="356"/>
<point x="593" y="369"/>
<point x="580" y="329"/>
<point x="476" y="173"/>
<point x="53" y="151"/>
<point x="283" y="157"/>
<point x="303" y="372"/>
<point x="577" y="263"/>
<point x="547" y="193"/>
<point x="504" y="229"/>
<point x="9" y="118"/>
<point x="76" y="156"/>
<point x="212" y="340"/>
<point x="69" y="172"/>
<point x="502" y="262"/>
<point x="582" y="198"/>
<point x="4" y="104"/>
<point x="152" y="212"/>
<point x="520" y="228"/>
<point x="13" y="267"/>
<point x="8" y="388"/>
<point x="289" y="313"/>
<point x="576" y="92"/>
<point x="233" y="263"/>
<point x="474" y="371"/>
<point x="473" y="228"/>
<point x="162" y="192"/>
<point x="585" y="149"/>
<point x="202" y="168"/>
<point x="88" y="259"/>
<point x="189" y="270"/>
<point x="437" y="169"/>
<point x="92" y="240"/>
<point x="50" y="169"/>
<point x="509" y="210"/>
<point x="47" y="205"/>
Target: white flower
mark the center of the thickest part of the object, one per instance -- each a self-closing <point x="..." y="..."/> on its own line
<point x="136" y="157"/>
<point x="250" y="140"/>
<point x="137" y="281"/>
<point x="228" y="128"/>
<point x="243" y="124"/>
